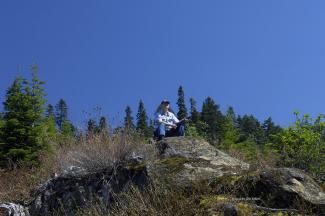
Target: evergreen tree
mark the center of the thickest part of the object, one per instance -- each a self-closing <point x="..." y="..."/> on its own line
<point x="61" y="114"/>
<point x="182" y="111"/>
<point x="50" y="123"/>
<point x="128" y="119"/>
<point x="230" y="131"/>
<point x="231" y="116"/>
<point x="195" y="115"/>
<point x="196" y="127"/>
<point x="250" y="128"/>
<point x="213" y="117"/>
<point x="103" y="126"/>
<point x="50" y="111"/>
<point x="67" y="128"/>
<point x="24" y="121"/>
<point x="151" y="128"/>
<point x="142" y="120"/>
<point x="270" y="129"/>
<point x="92" y="126"/>
<point x="2" y="122"/>
<point x="37" y="93"/>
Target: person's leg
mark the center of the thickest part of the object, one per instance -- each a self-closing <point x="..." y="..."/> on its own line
<point x="161" y="131"/>
<point x="171" y="132"/>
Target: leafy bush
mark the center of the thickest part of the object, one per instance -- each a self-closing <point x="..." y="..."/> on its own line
<point x="302" y="145"/>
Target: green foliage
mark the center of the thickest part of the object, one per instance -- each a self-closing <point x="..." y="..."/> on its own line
<point x="23" y="126"/>
<point x="2" y="123"/>
<point x="182" y="111"/>
<point x="231" y="133"/>
<point x="49" y="134"/>
<point x="250" y="128"/>
<point x="231" y="116"/>
<point x="270" y="130"/>
<point x="67" y="128"/>
<point x="248" y="147"/>
<point x="142" y="121"/>
<point x="195" y="115"/>
<point x="302" y="145"/>
<point x="197" y="128"/>
<point x="191" y="131"/>
<point x="128" y="119"/>
<point x="92" y="126"/>
<point x="61" y="113"/>
<point x="50" y="111"/>
<point x="103" y="125"/>
<point x="212" y="116"/>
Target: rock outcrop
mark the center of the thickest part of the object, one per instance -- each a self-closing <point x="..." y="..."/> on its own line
<point x="184" y="162"/>
<point x="283" y="188"/>
<point x="77" y="187"/>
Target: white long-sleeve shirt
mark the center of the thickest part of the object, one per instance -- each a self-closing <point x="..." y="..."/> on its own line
<point x="166" y="117"/>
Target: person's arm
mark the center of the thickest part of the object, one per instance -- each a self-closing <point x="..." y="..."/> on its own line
<point x="175" y="119"/>
<point x="180" y="121"/>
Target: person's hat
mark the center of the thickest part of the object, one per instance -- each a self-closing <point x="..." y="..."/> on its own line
<point x="165" y="102"/>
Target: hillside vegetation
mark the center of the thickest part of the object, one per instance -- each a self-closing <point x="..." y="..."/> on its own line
<point x="39" y="142"/>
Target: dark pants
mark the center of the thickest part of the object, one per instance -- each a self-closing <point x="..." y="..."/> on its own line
<point x="162" y="132"/>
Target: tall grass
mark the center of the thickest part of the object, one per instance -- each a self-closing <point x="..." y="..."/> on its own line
<point x="90" y="152"/>
<point x="99" y="150"/>
<point x="156" y="199"/>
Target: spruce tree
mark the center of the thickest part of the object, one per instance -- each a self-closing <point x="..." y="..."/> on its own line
<point x="195" y="115"/>
<point x="50" y="122"/>
<point x="37" y="93"/>
<point x="142" y="120"/>
<point x="270" y="129"/>
<point x="250" y="128"/>
<point x="24" y="121"/>
<point x="231" y="133"/>
<point x="61" y="114"/>
<point x="151" y="128"/>
<point x="67" y="128"/>
<point x="128" y="119"/>
<point x="213" y="117"/>
<point x="103" y="126"/>
<point x="231" y="116"/>
<point x="2" y="122"/>
<point x="50" y="111"/>
<point x="92" y="126"/>
<point x="182" y="111"/>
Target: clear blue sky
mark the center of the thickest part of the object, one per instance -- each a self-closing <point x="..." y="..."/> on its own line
<point x="265" y="58"/>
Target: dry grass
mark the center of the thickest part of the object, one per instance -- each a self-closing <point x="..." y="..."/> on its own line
<point x="16" y="184"/>
<point x="90" y="152"/>
<point x="98" y="151"/>
<point x="152" y="201"/>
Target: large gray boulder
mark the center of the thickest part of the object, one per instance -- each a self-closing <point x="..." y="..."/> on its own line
<point x="276" y="188"/>
<point x="77" y="187"/>
<point x="184" y="160"/>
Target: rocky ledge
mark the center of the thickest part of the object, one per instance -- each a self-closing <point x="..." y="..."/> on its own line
<point x="184" y="162"/>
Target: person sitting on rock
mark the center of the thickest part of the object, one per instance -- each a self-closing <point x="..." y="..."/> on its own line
<point x="167" y="124"/>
